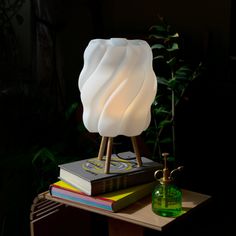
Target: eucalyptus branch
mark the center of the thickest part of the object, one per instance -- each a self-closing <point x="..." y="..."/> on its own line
<point x="175" y="76"/>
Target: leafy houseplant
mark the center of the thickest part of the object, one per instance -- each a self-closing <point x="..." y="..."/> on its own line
<point x="174" y="75"/>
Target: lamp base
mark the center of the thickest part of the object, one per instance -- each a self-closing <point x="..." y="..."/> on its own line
<point x="109" y="142"/>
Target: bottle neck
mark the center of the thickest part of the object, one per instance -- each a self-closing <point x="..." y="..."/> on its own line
<point x="166" y="181"/>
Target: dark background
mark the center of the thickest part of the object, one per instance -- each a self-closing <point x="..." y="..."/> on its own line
<point x="41" y="58"/>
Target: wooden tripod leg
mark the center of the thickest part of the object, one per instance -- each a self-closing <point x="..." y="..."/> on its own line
<point x="102" y="148"/>
<point x="108" y="155"/>
<point x="136" y="151"/>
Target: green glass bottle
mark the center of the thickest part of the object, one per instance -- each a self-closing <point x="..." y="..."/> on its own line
<point x="167" y="196"/>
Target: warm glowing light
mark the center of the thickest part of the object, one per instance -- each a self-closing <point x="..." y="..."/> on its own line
<point x="117" y="86"/>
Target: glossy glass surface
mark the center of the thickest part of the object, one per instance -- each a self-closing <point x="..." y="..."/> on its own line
<point x="167" y="200"/>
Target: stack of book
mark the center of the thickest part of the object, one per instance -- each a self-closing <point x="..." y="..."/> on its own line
<point x="84" y="181"/>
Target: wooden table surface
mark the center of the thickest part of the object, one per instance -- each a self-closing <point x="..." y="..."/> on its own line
<point x="140" y="213"/>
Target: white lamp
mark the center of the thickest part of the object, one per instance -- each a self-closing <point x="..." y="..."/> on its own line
<point x="117" y="86"/>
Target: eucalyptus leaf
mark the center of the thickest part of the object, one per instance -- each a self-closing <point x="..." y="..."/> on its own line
<point x="174" y="47"/>
<point x="150" y="141"/>
<point x="176" y="35"/>
<point x="161" y="111"/>
<point x="166" y="140"/>
<point x="157" y="46"/>
<point x="159" y="28"/>
<point x="164" y="123"/>
<point x="158" y="57"/>
<point x="162" y="80"/>
<point x="184" y="69"/>
<point x="172" y="83"/>
<point x="182" y="77"/>
<point x="156" y="36"/>
<point x="171" y="158"/>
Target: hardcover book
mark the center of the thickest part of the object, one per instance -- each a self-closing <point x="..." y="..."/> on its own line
<point x="113" y="201"/>
<point x="88" y="175"/>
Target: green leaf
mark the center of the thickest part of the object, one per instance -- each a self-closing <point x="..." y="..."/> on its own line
<point x="158" y="28"/>
<point x="181" y="73"/>
<point x="184" y="73"/>
<point x="172" y="83"/>
<point x="157" y="46"/>
<point x="166" y="140"/>
<point x="184" y="69"/>
<point x="174" y="47"/>
<point x="171" y="158"/>
<point x="172" y="61"/>
<point x="158" y="57"/>
<point x="150" y="141"/>
<point x="176" y="35"/>
<point x="164" y="123"/>
<point x="182" y="77"/>
<point x="162" y="80"/>
<point x="160" y="111"/>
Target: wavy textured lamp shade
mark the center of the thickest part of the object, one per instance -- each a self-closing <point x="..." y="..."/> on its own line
<point x="117" y="86"/>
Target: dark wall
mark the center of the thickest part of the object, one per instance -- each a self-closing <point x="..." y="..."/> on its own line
<point x="204" y="25"/>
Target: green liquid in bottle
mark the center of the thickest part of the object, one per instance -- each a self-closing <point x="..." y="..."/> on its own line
<point x="167" y="200"/>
